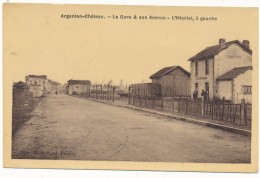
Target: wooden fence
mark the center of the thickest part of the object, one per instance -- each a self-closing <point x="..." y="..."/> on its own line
<point x="224" y="111"/>
<point x="104" y="95"/>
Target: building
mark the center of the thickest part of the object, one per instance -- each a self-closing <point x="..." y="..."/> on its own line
<point x="55" y="87"/>
<point x="38" y="84"/>
<point x="236" y="84"/>
<point x="36" y="79"/>
<point x="174" y="81"/>
<point x="210" y="67"/>
<point x="78" y="87"/>
<point x="65" y="88"/>
<point x="37" y="90"/>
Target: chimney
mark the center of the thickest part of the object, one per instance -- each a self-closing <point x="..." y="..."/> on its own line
<point x="222" y="42"/>
<point x="246" y="43"/>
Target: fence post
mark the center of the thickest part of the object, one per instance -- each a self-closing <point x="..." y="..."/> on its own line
<point x="234" y="118"/>
<point x="179" y="102"/>
<point x="172" y="103"/>
<point x="243" y="118"/>
<point x="202" y="107"/>
<point x="212" y="110"/>
<point x="187" y="104"/>
<point x="101" y="92"/>
<point x="162" y="101"/>
<point x="113" y="94"/>
<point x="96" y="92"/>
<point x="223" y="109"/>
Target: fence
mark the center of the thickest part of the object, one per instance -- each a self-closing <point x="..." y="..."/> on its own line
<point x="101" y="95"/>
<point x="223" y="111"/>
<point x="235" y="113"/>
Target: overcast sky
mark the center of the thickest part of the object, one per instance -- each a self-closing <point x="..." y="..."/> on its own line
<point x="39" y="42"/>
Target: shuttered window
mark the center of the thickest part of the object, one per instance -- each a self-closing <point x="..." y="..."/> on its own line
<point x="206" y="66"/>
<point x="196" y="68"/>
<point x="247" y="89"/>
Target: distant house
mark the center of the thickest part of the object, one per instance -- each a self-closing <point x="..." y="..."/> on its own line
<point x="54" y="86"/>
<point x="174" y="81"/>
<point x="211" y="66"/>
<point x="36" y="79"/>
<point x="38" y="84"/>
<point x="64" y="88"/>
<point x="78" y="87"/>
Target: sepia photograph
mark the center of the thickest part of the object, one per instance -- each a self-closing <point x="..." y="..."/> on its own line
<point x="130" y="87"/>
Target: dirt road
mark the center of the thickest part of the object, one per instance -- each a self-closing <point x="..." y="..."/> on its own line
<point x="65" y="127"/>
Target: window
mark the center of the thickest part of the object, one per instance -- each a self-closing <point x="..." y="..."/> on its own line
<point x="196" y="68"/>
<point x="207" y="87"/>
<point x="196" y="86"/>
<point x="247" y="89"/>
<point x="206" y="66"/>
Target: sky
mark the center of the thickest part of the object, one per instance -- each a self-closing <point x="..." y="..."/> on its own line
<point x="37" y="41"/>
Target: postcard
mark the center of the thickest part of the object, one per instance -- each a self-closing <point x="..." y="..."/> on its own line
<point x="130" y="87"/>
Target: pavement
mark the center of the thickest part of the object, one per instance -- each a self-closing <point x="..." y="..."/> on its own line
<point x="70" y="128"/>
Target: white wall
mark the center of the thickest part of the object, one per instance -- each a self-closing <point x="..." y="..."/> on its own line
<point x="230" y="58"/>
<point x="36" y="90"/>
<point x="201" y="78"/>
<point x="234" y="56"/>
<point x="79" y="88"/>
<point x="40" y="81"/>
<point x="225" y="89"/>
<point x="239" y="82"/>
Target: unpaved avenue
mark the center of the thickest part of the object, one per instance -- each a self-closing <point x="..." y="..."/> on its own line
<point x="64" y="127"/>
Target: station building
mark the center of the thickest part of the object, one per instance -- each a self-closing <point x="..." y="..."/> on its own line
<point x="223" y="70"/>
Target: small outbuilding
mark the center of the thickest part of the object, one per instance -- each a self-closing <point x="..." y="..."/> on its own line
<point x="174" y="81"/>
<point x="78" y="87"/>
<point x="236" y="84"/>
